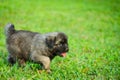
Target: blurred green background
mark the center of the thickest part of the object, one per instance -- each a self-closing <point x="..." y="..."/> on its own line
<point x="93" y="28"/>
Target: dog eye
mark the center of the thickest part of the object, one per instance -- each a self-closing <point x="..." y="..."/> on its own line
<point x="62" y="42"/>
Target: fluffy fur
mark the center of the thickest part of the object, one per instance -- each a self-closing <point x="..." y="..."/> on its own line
<point x="41" y="48"/>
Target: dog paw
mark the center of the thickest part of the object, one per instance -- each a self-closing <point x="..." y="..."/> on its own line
<point x="21" y="62"/>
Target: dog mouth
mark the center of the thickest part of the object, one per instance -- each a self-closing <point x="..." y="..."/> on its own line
<point x="63" y="54"/>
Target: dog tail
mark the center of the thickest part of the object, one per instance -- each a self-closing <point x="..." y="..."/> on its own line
<point x="9" y="29"/>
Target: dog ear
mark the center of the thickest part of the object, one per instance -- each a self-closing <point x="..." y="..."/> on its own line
<point x="50" y="41"/>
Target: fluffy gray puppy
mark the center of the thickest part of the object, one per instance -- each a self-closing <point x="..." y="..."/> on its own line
<point x="40" y="48"/>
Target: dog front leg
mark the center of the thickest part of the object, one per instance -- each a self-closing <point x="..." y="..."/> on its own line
<point x="42" y="59"/>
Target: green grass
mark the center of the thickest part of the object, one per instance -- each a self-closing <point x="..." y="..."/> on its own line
<point x="93" y="28"/>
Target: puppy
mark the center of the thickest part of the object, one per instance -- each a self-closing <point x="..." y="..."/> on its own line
<point x="40" y="48"/>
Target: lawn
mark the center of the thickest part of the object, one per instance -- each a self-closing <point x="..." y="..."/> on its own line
<point x="93" y="29"/>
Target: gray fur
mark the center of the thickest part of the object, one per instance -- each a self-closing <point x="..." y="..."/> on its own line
<point x="41" y="48"/>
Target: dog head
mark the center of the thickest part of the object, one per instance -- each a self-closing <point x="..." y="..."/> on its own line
<point x="58" y="43"/>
